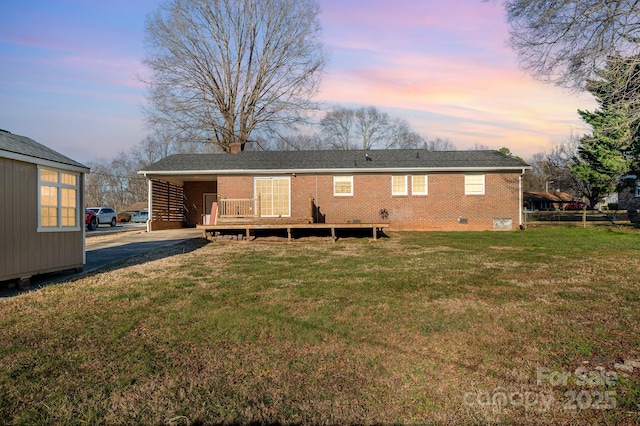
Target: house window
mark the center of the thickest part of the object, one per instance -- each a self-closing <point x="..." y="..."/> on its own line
<point x="398" y="185"/>
<point x="58" y="193"/>
<point x="343" y="185"/>
<point x="474" y="184"/>
<point x="638" y="191"/>
<point x="275" y="196"/>
<point x="419" y="185"/>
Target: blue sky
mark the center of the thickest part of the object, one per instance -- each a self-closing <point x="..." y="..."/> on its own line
<point x="70" y="73"/>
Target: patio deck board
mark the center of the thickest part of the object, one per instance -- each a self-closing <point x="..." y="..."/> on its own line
<point x="248" y="227"/>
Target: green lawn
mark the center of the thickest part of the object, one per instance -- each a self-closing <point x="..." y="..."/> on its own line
<point x="441" y="328"/>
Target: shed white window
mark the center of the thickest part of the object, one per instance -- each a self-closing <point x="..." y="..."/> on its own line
<point x="638" y="191"/>
<point x="474" y="184"/>
<point x="343" y="185"/>
<point x="58" y="199"/>
<point x="399" y="185"/>
<point x="419" y="185"/>
<point x="275" y="196"/>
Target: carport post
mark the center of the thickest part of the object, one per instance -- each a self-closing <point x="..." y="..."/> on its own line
<point x="149" y="198"/>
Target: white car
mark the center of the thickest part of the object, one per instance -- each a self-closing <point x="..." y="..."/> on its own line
<point x="141" y="217"/>
<point x="105" y="215"/>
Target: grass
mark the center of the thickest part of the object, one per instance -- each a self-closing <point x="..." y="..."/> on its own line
<point x="417" y="328"/>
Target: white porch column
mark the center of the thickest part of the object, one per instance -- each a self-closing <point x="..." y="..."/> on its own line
<point x="149" y="204"/>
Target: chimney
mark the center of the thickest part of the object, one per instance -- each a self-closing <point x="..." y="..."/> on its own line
<point x="235" y="147"/>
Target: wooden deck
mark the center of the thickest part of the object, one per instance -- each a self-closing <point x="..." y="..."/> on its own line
<point x="209" y="230"/>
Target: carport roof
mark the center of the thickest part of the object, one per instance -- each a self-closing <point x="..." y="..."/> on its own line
<point x="334" y="161"/>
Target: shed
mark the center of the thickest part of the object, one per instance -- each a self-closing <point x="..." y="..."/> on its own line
<point x="42" y="193"/>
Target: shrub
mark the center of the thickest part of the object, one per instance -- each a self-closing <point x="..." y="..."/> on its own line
<point x="124" y="217"/>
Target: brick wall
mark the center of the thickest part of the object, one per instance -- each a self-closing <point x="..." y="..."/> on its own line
<point x="235" y="186"/>
<point x="627" y="199"/>
<point x="446" y="207"/>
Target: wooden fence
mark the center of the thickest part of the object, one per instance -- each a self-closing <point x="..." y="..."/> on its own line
<point x="578" y="218"/>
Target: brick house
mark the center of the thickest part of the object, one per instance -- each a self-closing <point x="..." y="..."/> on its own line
<point x="408" y="189"/>
<point x="629" y="199"/>
<point x="625" y="199"/>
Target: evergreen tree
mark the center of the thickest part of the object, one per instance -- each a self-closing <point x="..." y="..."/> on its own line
<point x="609" y="156"/>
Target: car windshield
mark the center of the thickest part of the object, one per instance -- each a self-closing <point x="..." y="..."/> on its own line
<point x="94" y="210"/>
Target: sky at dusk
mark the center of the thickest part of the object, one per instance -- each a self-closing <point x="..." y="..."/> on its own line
<point x="70" y="74"/>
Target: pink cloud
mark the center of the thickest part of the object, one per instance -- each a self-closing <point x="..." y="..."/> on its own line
<point x="39" y="41"/>
<point x="446" y="66"/>
<point x="482" y="106"/>
<point x="442" y="65"/>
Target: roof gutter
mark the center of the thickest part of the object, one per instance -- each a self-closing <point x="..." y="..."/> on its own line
<point x="337" y="170"/>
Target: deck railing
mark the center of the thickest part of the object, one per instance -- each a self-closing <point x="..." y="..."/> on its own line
<point x="240" y="207"/>
<point x="235" y="208"/>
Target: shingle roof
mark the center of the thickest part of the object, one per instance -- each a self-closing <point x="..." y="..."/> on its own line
<point x="27" y="147"/>
<point x="335" y="160"/>
<point x="557" y="197"/>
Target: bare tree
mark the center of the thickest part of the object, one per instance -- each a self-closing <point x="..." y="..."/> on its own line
<point x="299" y="142"/>
<point x="96" y="188"/>
<point x="401" y="136"/>
<point x="536" y="178"/>
<point x="479" y="147"/>
<point x="439" y="144"/>
<point x="160" y="145"/>
<point x="372" y="126"/>
<point x="116" y="183"/>
<point x="337" y="126"/>
<point x="152" y="149"/>
<point x="552" y="170"/>
<point x="568" y="41"/>
<point x="368" y="128"/>
<point x="224" y="69"/>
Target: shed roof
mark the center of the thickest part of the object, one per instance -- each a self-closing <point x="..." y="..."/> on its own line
<point x="26" y="149"/>
<point x="334" y="161"/>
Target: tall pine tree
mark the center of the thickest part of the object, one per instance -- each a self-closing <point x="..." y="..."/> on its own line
<point x="609" y="156"/>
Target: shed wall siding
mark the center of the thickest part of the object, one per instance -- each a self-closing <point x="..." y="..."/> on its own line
<point x="25" y="251"/>
<point x="446" y="207"/>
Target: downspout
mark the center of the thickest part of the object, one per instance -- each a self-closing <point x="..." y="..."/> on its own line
<point x="83" y="216"/>
<point x="520" y="198"/>
<point x="316" y="202"/>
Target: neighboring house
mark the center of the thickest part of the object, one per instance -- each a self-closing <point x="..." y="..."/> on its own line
<point x="629" y="199"/>
<point x="546" y="200"/>
<point x="127" y="213"/>
<point x="626" y="199"/>
<point x="406" y="189"/>
<point x="136" y="207"/>
<point x="41" y="206"/>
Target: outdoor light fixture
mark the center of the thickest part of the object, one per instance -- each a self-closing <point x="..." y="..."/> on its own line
<point x="546" y="189"/>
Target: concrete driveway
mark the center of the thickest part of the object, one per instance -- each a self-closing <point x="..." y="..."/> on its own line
<point x="106" y="248"/>
<point x="103" y="252"/>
